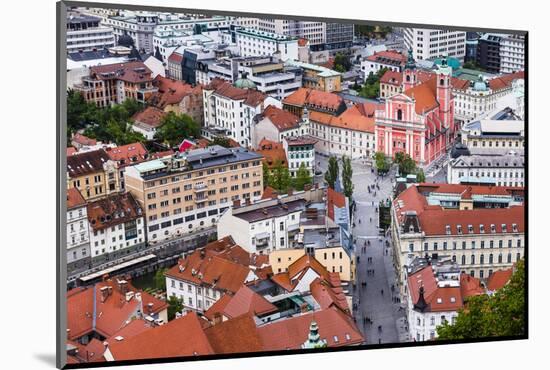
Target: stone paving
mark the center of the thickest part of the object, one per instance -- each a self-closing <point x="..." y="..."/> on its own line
<point x="371" y="303"/>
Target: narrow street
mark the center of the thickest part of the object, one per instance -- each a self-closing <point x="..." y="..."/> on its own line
<point x="371" y="303"/>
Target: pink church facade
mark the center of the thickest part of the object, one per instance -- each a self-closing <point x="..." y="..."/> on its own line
<point x="419" y="121"/>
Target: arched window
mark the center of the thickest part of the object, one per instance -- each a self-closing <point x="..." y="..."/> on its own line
<point x="509" y="259"/>
<point x="408" y="78"/>
<point x="473" y="259"/>
<point x="482" y="259"/>
<point x="491" y="258"/>
<point x="399" y="115"/>
<point x="500" y="258"/>
<point x="442" y="82"/>
<point x="463" y="260"/>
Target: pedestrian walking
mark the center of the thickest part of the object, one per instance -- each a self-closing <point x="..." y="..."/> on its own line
<point x="382" y="291"/>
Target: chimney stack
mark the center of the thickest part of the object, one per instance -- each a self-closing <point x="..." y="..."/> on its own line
<point x="104" y="293"/>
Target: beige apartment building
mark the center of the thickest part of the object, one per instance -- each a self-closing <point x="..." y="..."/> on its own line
<point x="188" y="191"/>
<point x="334" y="259"/>
<point x="93" y="173"/>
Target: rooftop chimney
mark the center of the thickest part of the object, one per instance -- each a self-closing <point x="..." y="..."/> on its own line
<point x="104" y="293"/>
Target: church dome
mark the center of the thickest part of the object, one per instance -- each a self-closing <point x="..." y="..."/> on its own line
<point x="480" y="84"/>
<point x="245" y="83"/>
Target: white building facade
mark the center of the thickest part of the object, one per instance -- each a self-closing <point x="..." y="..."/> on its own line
<point x="260" y="43"/>
<point x="430" y="44"/>
<point x="263" y="227"/>
<point x="500" y="170"/>
<point x="512" y="53"/>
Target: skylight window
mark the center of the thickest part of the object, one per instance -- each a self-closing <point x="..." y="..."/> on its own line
<point x="453" y="299"/>
<point x="439" y="300"/>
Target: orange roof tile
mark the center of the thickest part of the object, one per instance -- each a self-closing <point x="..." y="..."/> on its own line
<point x="314" y="98"/>
<point x="226" y="89"/>
<point x="281" y="119"/>
<point x="165" y="341"/>
<point x="470" y="286"/>
<point x="150" y="116"/>
<point x="132" y="72"/>
<point x="334" y="199"/>
<point x="74" y="199"/>
<point x="128" y="154"/>
<point x="172" y="91"/>
<point x="246" y="301"/>
<point x="425" y="96"/>
<point x="238" y="335"/>
<point x="499" y="279"/>
<point x="392" y="78"/>
<point x="434" y="219"/>
<point x="335" y="327"/>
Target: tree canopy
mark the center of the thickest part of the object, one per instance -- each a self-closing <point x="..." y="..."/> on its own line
<point x="222" y="141"/>
<point x="347" y="174"/>
<point x="175" y="304"/>
<point x="381" y="162"/>
<point x="302" y="178"/>
<point x="109" y="124"/>
<point x="342" y="63"/>
<point x="331" y="176"/>
<point x="371" y="88"/>
<point x="176" y="127"/>
<point x="497" y="315"/>
<point x="279" y="178"/>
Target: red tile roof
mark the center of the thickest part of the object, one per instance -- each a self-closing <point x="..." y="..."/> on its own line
<point x="175" y="57"/>
<point x="392" y="78"/>
<point x="172" y="91"/>
<point x="75" y="199"/>
<point x="300" y="140"/>
<point x="438" y="298"/>
<point x="470" y="286"/>
<point x="71" y="150"/>
<point x="281" y="119"/>
<point x="328" y="296"/>
<point x="132" y="72"/>
<point x="273" y="153"/>
<point x="227" y="268"/>
<point x="179" y="337"/>
<point x="150" y="116"/>
<point x="238" y="335"/>
<point x="334" y="326"/>
<point x="434" y="219"/>
<point x="392" y="55"/>
<point x="304" y="96"/>
<point x="128" y="154"/>
<point x="358" y="117"/>
<point x="425" y="95"/>
<point x="269" y="193"/>
<point x="83" y="140"/>
<point x="505" y="81"/>
<point x="223" y="88"/>
<point x="334" y="199"/>
<point x="112" y="314"/>
<point x="112" y="210"/>
<point x="246" y="301"/>
<point x="499" y="279"/>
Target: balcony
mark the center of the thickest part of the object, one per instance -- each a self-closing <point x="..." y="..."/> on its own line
<point x="201" y="199"/>
<point x="199" y="188"/>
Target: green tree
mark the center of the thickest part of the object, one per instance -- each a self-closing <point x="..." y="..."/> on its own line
<point x="406" y="164"/>
<point x="222" y="141"/>
<point x="347" y="174"/>
<point x="266" y="175"/>
<point x="175" y="304"/>
<point x="302" y="178"/>
<point x="160" y="280"/>
<point x="420" y="176"/>
<point x="381" y="162"/>
<point x="176" y="127"/>
<point x="280" y="178"/>
<point x="342" y="63"/>
<point x="371" y="88"/>
<point x="331" y="176"/>
<point x="501" y="314"/>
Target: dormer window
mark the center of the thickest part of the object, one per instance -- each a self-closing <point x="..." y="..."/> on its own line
<point x="481" y="228"/>
<point x="453" y="299"/>
<point x="411" y="229"/>
<point x="459" y="229"/>
<point x="439" y="300"/>
<point x="470" y="229"/>
<point x="504" y="228"/>
<point x="448" y="229"/>
<point x="515" y="228"/>
<point x="493" y="228"/>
